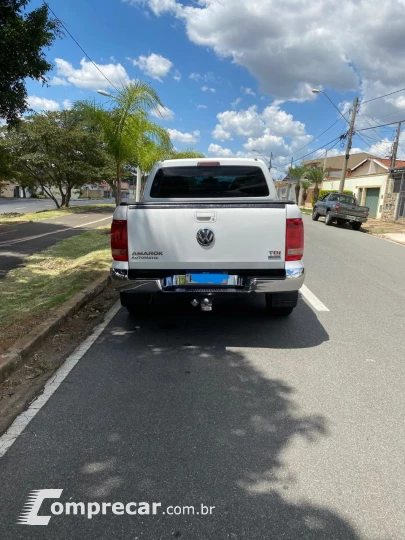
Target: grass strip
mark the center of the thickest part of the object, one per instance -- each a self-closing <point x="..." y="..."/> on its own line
<point x="51" y="277"/>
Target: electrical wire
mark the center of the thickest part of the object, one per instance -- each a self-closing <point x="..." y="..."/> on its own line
<point x="381" y="125"/>
<point x="80" y="47"/>
<point x="385" y="95"/>
<point x="316" y="150"/>
<point x="314" y="139"/>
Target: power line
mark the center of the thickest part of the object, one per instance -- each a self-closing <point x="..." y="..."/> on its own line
<point x="314" y="139"/>
<point x="381" y="125"/>
<point x="80" y="47"/>
<point x="385" y="95"/>
<point x="317" y="149"/>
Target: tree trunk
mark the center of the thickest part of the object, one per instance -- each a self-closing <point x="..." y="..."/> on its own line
<point x="63" y="202"/>
<point x="68" y="197"/>
<point x="304" y="197"/>
<point x="24" y="194"/>
<point x="118" y="186"/>
<point x="297" y="192"/>
<point x="316" y="192"/>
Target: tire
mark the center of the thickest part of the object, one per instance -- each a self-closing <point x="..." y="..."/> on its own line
<point x="277" y="311"/>
<point x="315" y="215"/>
<point x="328" y="219"/>
<point x="356" y="226"/>
<point x="136" y="304"/>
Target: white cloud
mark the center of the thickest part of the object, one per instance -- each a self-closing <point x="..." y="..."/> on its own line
<point x="219" y="151"/>
<point x="154" y="65"/>
<point x="88" y="76"/>
<point x="163" y="113"/>
<point x="207" y="89"/>
<point x="248" y="91"/>
<point x="67" y="104"/>
<point x="204" y="77"/>
<point x="177" y="75"/>
<point x="235" y="103"/>
<point x="202" y="107"/>
<point x="303" y="44"/>
<point x="58" y="81"/>
<point x="185" y="138"/>
<point x="42" y="104"/>
<point x="273" y="121"/>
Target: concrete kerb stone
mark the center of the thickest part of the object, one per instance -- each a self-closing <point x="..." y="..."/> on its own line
<point x="18" y="355"/>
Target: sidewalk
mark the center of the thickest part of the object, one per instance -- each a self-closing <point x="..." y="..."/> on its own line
<point x="386" y="229"/>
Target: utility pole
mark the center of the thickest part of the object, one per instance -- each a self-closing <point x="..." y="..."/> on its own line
<point x="395" y="147"/>
<point x="138" y="184"/>
<point x="324" y="161"/>
<point x="349" y="145"/>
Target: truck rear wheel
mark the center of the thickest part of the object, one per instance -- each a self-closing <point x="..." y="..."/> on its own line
<point x="356" y="225"/>
<point x="281" y="304"/>
<point x="136" y="304"/>
<point x="328" y="219"/>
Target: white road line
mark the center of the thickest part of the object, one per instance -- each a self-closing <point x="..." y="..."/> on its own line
<point x="312" y="299"/>
<point x="22" y="421"/>
<point x="6" y="232"/>
<point x="20" y="208"/>
<point x="27" y="238"/>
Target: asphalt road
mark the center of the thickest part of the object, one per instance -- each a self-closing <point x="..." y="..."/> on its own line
<point x="35" y="205"/>
<point x="293" y="429"/>
<point x="21" y="240"/>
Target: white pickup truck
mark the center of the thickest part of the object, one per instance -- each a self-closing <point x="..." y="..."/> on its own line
<point x="208" y="227"/>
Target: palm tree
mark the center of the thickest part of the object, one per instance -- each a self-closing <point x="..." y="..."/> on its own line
<point x="305" y="184"/>
<point x="297" y="173"/>
<point x="126" y="128"/>
<point x="316" y="176"/>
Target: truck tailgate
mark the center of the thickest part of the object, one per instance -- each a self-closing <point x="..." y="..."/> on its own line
<point x="164" y="236"/>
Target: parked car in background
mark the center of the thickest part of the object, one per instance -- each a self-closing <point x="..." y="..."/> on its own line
<point x="340" y="208"/>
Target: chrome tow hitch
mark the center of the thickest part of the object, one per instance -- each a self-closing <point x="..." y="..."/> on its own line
<point x="205" y="303"/>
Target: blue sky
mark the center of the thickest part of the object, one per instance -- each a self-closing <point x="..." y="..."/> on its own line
<point x="236" y="75"/>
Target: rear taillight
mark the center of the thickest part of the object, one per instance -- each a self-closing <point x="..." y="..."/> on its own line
<point x="294" y="245"/>
<point x="337" y="206"/>
<point x="119" y="240"/>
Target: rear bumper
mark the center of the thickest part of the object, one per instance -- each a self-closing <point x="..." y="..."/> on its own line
<point x="347" y="217"/>
<point x="176" y="283"/>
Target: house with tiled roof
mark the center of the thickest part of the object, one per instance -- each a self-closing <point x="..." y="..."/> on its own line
<point x="370" y="182"/>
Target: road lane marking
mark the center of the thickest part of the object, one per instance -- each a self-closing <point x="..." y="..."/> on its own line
<point x="312" y="299"/>
<point x="22" y="421"/>
<point x="20" y="208"/>
<point x="6" y="232"/>
<point x="27" y="238"/>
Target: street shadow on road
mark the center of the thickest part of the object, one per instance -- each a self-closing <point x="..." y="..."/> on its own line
<point x="243" y="322"/>
<point x="147" y="416"/>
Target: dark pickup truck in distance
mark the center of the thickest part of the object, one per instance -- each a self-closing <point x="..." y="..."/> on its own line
<point x="340" y="208"/>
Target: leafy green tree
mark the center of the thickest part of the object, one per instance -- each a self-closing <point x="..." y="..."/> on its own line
<point x="297" y="173"/>
<point x="57" y="153"/>
<point x="316" y="176"/>
<point x="23" y="38"/>
<point x="126" y="129"/>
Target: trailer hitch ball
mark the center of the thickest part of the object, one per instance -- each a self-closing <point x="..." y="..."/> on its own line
<point x="206" y="304"/>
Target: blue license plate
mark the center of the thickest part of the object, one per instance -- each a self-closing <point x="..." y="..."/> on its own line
<point x="208" y="279"/>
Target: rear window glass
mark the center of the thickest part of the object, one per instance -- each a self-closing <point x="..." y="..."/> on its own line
<point x="347" y="199"/>
<point x="201" y="182"/>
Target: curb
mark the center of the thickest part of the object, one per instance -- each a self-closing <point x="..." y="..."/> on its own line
<point x="17" y="355"/>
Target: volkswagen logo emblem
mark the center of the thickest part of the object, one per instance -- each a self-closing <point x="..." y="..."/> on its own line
<point x="205" y="237"/>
